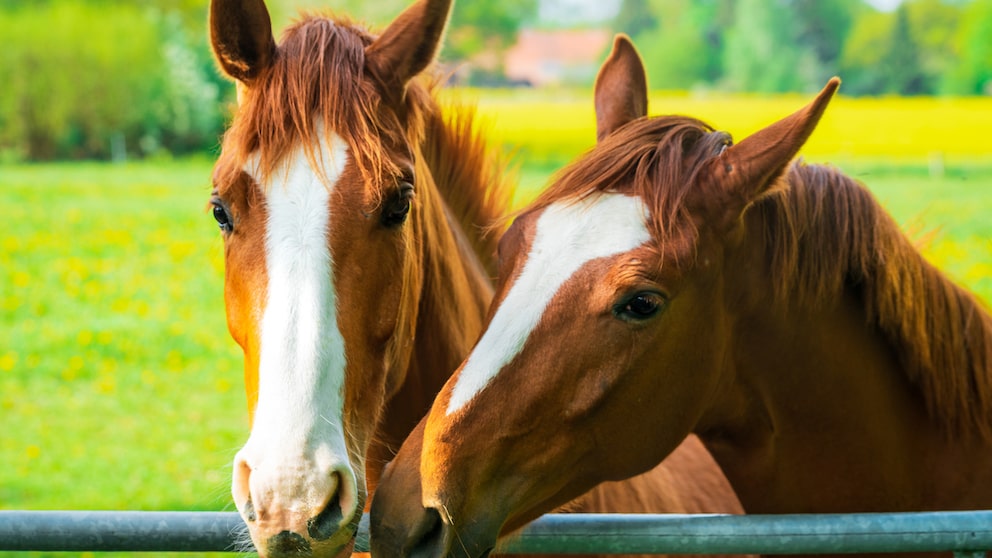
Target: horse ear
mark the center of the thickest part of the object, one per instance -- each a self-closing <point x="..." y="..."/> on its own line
<point x="410" y="43"/>
<point x="241" y="37"/>
<point x="749" y="170"/>
<point x="621" y="88"/>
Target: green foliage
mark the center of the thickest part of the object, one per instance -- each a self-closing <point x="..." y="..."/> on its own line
<point x="482" y="24"/>
<point x="635" y="17"/>
<point x="933" y="26"/>
<point x="105" y="78"/>
<point x="923" y="47"/>
<point x="760" y="53"/>
<point x="863" y="54"/>
<point x="85" y="75"/>
<point x="682" y="49"/>
<point x="901" y="72"/>
<point x="973" y="74"/>
<point x="824" y="27"/>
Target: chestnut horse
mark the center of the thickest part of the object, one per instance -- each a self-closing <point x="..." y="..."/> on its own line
<point x="671" y="282"/>
<point x="356" y="268"/>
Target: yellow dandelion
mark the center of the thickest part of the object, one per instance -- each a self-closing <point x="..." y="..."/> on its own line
<point x="174" y="361"/>
<point x="107" y="384"/>
<point x="148" y="377"/>
<point x="8" y="361"/>
<point x="76" y="363"/>
<point x="119" y="305"/>
<point x="21" y="279"/>
<point x="222" y="385"/>
<point x="84" y="338"/>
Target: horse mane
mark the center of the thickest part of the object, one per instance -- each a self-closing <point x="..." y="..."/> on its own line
<point x="827" y="232"/>
<point x="474" y="179"/>
<point x="318" y="84"/>
<point x="823" y="233"/>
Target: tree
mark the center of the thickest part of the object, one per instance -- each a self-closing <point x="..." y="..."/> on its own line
<point x="81" y="78"/>
<point x="934" y="25"/>
<point x="824" y="26"/>
<point x="683" y="48"/>
<point x="973" y="44"/>
<point x="863" y="54"/>
<point x="761" y="52"/>
<point x="902" y="71"/>
<point x="486" y="24"/>
<point x="635" y="17"/>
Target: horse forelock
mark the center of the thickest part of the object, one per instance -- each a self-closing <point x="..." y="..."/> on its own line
<point x="656" y="159"/>
<point x="826" y="233"/>
<point x="319" y="84"/>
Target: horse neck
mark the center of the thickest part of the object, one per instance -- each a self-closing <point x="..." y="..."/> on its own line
<point x="468" y="193"/>
<point x="820" y="415"/>
<point x="453" y="304"/>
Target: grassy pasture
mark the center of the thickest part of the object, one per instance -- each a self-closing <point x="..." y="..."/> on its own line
<point x="120" y="387"/>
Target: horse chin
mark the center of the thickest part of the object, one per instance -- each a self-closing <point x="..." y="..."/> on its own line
<point x="477" y="540"/>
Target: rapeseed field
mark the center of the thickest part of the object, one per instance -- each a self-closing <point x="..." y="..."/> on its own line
<point x="548" y="126"/>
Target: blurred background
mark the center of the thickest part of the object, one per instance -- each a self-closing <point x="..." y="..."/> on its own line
<point x="120" y="387"/>
<point x="110" y="79"/>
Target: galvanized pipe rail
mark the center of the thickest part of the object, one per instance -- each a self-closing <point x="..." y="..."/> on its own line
<point x="964" y="533"/>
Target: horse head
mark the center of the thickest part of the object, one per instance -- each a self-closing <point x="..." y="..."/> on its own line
<point x="607" y="339"/>
<point x="318" y="193"/>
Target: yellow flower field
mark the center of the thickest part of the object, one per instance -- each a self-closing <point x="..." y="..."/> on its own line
<point x="551" y="125"/>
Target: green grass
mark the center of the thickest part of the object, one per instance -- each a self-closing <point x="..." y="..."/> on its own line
<point x="110" y="310"/>
<point x="120" y="387"/>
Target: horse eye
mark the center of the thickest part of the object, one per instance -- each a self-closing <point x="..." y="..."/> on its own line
<point x="641" y="306"/>
<point x="222" y="218"/>
<point x="394" y="212"/>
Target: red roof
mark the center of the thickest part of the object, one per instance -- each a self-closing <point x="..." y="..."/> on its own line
<point x="556" y="56"/>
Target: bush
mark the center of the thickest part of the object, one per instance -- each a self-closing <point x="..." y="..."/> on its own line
<point x="89" y="81"/>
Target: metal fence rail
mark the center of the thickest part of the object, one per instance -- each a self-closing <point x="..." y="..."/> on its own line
<point x="965" y="533"/>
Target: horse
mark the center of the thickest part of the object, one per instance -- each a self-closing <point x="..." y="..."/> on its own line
<point x="671" y="282"/>
<point x="354" y="212"/>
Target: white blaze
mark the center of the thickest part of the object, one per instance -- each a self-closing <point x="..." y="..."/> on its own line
<point x="297" y="438"/>
<point x="568" y="235"/>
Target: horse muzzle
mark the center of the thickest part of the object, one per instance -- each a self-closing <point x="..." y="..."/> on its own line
<point x="428" y="536"/>
<point x="311" y="508"/>
<point x="293" y="535"/>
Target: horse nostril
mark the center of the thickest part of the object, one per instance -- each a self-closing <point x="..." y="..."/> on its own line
<point x="249" y="511"/>
<point x="428" y="536"/>
<point x="241" y="489"/>
<point x="325" y="524"/>
<point x="289" y="543"/>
